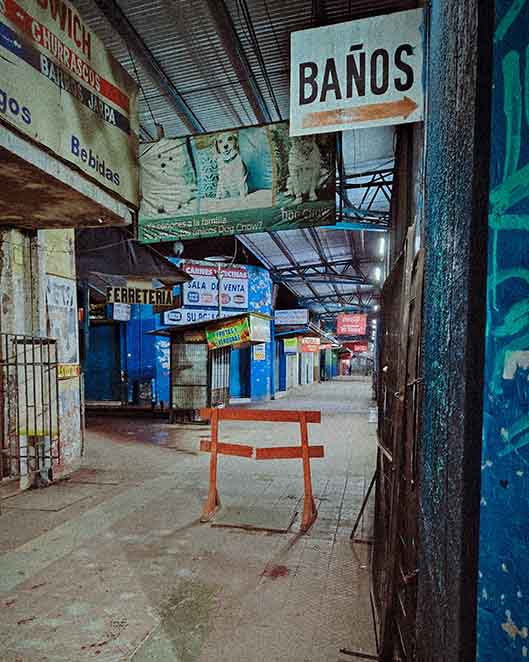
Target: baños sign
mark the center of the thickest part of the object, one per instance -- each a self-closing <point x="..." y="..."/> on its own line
<point x="357" y="74"/>
<point x="254" y="179"/>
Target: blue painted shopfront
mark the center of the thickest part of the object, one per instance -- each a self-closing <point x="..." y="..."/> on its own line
<point x="125" y="362"/>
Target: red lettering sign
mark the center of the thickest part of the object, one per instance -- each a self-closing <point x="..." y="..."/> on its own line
<point x="351" y="324"/>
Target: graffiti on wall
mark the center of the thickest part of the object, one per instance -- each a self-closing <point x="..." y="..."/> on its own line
<point x="503" y="618"/>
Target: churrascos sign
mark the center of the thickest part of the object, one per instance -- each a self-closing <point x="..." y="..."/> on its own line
<point x="59" y="86"/>
<point x="357" y="74"/>
<point x="246" y="180"/>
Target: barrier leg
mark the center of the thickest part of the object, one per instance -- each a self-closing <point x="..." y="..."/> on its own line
<point x="309" y="507"/>
<point x="213" y="503"/>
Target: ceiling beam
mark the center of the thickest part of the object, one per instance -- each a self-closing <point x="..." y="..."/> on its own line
<point x="286" y="252"/>
<point x="120" y="23"/>
<point x="350" y="298"/>
<point x="233" y="48"/>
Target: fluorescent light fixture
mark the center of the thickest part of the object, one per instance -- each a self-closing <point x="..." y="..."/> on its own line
<point x="378" y="273"/>
<point x="382" y="246"/>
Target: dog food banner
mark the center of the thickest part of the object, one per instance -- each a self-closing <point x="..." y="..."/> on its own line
<point x="60" y="87"/>
<point x="254" y="179"/>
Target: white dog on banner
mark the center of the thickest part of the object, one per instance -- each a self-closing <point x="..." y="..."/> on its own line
<point x="233" y="174"/>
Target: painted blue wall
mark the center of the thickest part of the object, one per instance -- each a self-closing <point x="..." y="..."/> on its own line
<point x="260" y="301"/>
<point x="139" y="353"/>
<point x="503" y="614"/>
<point x="143" y="357"/>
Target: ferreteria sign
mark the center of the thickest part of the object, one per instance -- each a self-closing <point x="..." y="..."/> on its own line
<point x="141" y="295"/>
<point x="254" y="179"/>
<point x="357" y="74"/>
<point x="60" y="87"/>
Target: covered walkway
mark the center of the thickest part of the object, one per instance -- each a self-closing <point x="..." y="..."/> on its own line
<point x="114" y="565"/>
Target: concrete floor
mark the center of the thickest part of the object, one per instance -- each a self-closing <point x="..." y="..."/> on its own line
<point x="114" y="565"/>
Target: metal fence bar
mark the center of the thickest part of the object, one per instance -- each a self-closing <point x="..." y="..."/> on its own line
<point x="31" y="409"/>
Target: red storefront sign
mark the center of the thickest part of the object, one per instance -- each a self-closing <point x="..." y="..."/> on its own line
<point x="351" y="324"/>
<point x="359" y="347"/>
<point x="309" y="344"/>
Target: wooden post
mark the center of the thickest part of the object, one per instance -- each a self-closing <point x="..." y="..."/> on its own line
<point x="213" y="503"/>
<point x="309" y="507"/>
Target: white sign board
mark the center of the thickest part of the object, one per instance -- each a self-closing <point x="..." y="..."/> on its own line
<point x="260" y="329"/>
<point x="63" y="89"/>
<point x="183" y="316"/>
<point x="121" y="312"/>
<point x="357" y="74"/>
<point x="293" y="317"/>
<point x="202" y="291"/>
<point x="61" y="303"/>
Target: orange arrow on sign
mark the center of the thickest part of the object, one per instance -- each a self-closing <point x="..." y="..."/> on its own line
<point x="373" y="111"/>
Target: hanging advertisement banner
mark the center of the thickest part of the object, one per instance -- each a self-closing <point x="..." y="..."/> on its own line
<point x="290" y="345"/>
<point x="254" y="179"/>
<point x="202" y="291"/>
<point x="60" y="87"/>
<point x="233" y="333"/>
<point x="361" y="73"/>
<point x="351" y="324"/>
<point x="294" y="317"/>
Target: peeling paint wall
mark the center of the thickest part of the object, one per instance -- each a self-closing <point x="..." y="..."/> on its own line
<point x="58" y="247"/>
<point x="503" y="611"/>
<point x="27" y="258"/>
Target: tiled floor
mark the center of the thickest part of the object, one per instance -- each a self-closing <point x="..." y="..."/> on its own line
<point x="120" y="567"/>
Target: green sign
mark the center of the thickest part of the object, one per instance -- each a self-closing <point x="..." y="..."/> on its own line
<point x="254" y="179"/>
<point x="233" y="333"/>
<point x="290" y="345"/>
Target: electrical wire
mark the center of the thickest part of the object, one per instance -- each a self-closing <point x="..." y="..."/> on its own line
<point x="252" y="36"/>
<point x="138" y="80"/>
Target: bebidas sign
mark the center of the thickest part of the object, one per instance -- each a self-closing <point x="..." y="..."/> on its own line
<point x="62" y="89"/>
<point x="357" y="74"/>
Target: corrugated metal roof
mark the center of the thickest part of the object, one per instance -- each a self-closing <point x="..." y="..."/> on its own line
<point x="182" y="36"/>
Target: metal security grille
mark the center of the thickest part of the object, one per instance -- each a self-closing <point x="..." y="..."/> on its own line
<point x="29" y="405"/>
<point x="396" y="518"/>
<point x="220" y="376"/>
<point x="189" y="376"/>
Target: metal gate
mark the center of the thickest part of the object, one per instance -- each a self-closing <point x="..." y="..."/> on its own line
<point x="29" y="405"/>
<point x="220" y="376"/>
<point x="396" y="517"/>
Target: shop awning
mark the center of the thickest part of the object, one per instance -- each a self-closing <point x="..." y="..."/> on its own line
<point x="111" y="257"/>
<point x="235" y="330"/>
<point x="306" y="330"/>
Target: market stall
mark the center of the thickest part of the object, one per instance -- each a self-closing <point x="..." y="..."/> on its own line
<point x="200" y="360"/>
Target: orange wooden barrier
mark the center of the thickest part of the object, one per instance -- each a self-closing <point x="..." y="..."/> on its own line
<point x="303" y="452"/>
